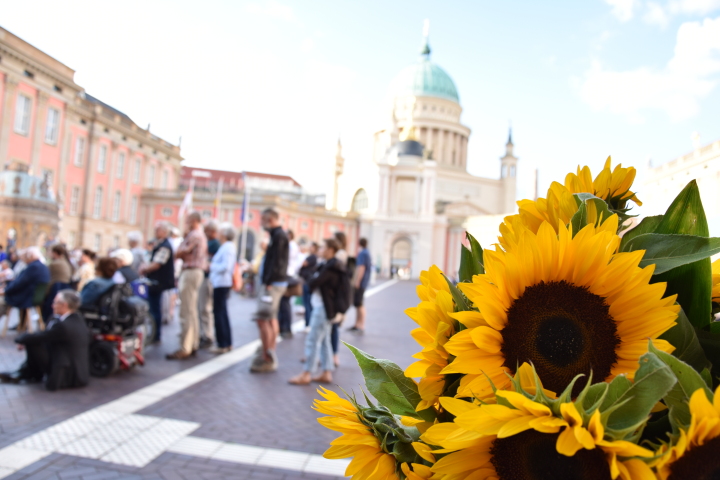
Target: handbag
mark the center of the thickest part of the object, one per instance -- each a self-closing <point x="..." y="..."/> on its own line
<point x="294" y="287"/>
<point x="237" y="278"/>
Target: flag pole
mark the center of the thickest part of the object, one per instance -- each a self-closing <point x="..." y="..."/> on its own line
<point x="245" y="217"/>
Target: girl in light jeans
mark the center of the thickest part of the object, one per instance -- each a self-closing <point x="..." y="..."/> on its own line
<point x="323" y="286"/>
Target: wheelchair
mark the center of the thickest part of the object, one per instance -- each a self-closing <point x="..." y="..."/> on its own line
<point x="120" y="326"/>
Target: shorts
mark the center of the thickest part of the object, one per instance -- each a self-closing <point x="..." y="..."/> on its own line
<point x="269" y="303"/>
<point x="358" y="296"/>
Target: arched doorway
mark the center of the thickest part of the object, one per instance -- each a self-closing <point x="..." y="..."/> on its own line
<point x="401" y="258"/>
<point x="360" y="201"/>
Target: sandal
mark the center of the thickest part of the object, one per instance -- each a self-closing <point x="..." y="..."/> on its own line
<point x="299" y="380"/>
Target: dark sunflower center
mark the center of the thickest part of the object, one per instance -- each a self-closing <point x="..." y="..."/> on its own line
<point x="564" y="330"/>
<point x="700" y="463"/>
<point x="532" y="455"/>
<point x="560" y="340"/>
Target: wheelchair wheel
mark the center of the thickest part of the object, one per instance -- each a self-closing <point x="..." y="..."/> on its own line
<point x="103" y="359"/>
<point x="148" y="329"/>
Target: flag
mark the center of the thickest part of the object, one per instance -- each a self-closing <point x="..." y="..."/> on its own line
<point x="186" y="206"/>
<point x="245" y="205"/>
<point x="218" y="199"/>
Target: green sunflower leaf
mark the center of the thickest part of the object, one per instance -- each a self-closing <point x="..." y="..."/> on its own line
<point x="710" y="342"/>
<point x="692" y="281"/>
<point x="581" y="218"/>
<point x="671" y="251"/>
<point x="647" y="225"/>
<point x="461" y="301"/>
<point x="687" y="346"/>
<point x="688" y="381"/>
<point x="468" y="265"/>
<point x="477" y="251"/>
<point x="388" y="384"/>
<point x="653" y="380"/>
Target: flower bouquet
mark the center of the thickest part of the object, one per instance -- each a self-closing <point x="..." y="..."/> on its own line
<point x="575" y="348"/>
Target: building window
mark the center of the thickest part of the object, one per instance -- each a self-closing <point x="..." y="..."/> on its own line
<point x="116" y="207"/>
<point x="304" y="225"/>
<point x="166" y="212"/>
<point x="120" y="165"/>
<point x="23" y="110"/>
<point x="512" y="170"/>
<point x="133" y="210"/>
<point x="97" y="245"/>
<point x="151" y="177"/>
<point x="360" y="201"/>
<point x="97" y="205"/>
<point x="116" y="241"/>
<point x="102" y="159"/>
<point x="164" y="180"/>
<point x="136" y="171"/>
<point x="52" y="126"/>
<point x="74" y="200"/>
<point x="79" y="151"/>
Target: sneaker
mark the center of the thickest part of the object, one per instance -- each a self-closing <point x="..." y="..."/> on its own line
<point x="273" y="355"/>
<point x="219" y="350"/>
<point x="357" y="331"/>
<point x="286" y="335"/>
<point x="263" y="367"/>
<point x="205" y="343"/>
<point x="352" y="329"/>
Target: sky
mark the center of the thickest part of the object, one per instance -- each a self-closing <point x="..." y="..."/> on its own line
<point x="270" y="85"/>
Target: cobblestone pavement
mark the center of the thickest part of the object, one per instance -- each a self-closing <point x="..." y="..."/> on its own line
<point x="241" y="425"/>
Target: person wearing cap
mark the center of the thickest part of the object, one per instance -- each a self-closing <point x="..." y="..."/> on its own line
<point x="125" y="272"/>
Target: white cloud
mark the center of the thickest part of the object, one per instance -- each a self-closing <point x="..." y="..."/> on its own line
<point x="623" y="9"/>
<point x="656" y="13"/>
<point x="691" y="74"/>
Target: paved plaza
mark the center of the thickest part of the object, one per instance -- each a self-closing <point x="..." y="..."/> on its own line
<point x="206" y="418"/>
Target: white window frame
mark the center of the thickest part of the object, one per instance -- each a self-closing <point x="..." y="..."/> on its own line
<point x="97" y="244"/>
<point x="120" y="170"/>
<point x="164" y="180"/>
<point x="136" y="171"/>
<point x="23" y="114"/>
<point x="102" y="159"/>
<point x="116" y="206"/>
<point x="133" y="210"/>
<point x="72" y="239"/>
<point x="97" y="203"/>
<point x="79" y="151"/>
<point x="74" y="199"/>
<point x="151" y="177"/>
<point x="116" y="241"/>
<point x="166" y="212"/>
<point x="52" y="126"/>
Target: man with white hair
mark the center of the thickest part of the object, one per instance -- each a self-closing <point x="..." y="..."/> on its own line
<point x="60" y="352"/>
<point x="161" y="271"/>
<point x="135" y="239"/>
<point x="20" y="292"/>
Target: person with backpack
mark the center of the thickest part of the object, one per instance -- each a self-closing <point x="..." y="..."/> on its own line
<point x="328" y="300"/>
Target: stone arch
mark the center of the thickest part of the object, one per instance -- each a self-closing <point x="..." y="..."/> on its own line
<point x="401" y="254"/>
<point x="360" y="201"/>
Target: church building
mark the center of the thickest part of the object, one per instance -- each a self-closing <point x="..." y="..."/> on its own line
<point x="415" y="214"/>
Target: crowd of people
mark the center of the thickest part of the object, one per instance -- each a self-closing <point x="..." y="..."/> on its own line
<point x="198" y="269"/>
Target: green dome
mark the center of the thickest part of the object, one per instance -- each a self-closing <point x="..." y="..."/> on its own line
<point x="425" y="79"/>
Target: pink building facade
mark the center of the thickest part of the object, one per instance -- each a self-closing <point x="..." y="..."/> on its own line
<point x="93" y="158"/>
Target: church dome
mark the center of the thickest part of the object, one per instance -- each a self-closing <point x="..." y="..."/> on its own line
<point x="424" y="79"/>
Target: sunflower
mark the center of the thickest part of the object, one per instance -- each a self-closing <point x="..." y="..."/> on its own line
<point x="368" y="447"/>
<point x="566" y="304"/>
<point x="716" y="281"/>
<point x="612" y="186"/>
<point x="436" y="327"/>
<point x="694" y="453"/>
<point x="523" y="439"/>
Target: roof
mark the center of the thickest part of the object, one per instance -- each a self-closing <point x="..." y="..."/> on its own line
<point x="424" y="79"/>
<point x="105" y="105"/>
<point x="226" y="175"/>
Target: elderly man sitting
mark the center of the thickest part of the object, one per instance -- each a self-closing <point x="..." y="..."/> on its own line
<point x="59" y="353"/>
<point x="20" y="292"/>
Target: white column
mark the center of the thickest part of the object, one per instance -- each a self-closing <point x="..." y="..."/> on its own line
<point x="39" y="135"/>
<point x="11" y="84"/>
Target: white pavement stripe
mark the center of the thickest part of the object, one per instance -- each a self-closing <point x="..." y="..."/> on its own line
<point x="139" y="439"/>
<point x="266" y="457"/>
